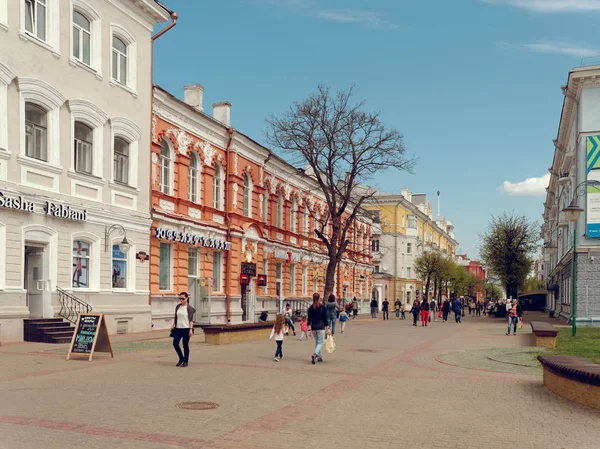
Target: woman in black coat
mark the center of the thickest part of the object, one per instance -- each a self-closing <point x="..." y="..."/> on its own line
<point x="416" y="310"/>
<point x="445" y="310"/>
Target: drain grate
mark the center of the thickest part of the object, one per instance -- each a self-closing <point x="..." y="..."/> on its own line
<point x="197" y="405"/>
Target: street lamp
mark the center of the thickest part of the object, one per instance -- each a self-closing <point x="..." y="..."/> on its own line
<point x="124" y="246"/>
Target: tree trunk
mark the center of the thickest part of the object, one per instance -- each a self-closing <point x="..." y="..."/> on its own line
<point x="426" y="294"/>
<point x="435" y="288"/>
<point x="329" y="278"/>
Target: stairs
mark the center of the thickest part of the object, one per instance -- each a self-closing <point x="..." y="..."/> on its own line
<point x="48" y="330"/>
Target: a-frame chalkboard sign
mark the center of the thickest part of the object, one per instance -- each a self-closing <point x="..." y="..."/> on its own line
<point x="90" y="335"/>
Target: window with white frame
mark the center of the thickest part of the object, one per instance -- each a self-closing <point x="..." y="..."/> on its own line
<point x="279" y="271"/>
<point x="165" y="267"/>
<point x="81" y="264"/>
<point x="218" y="187"/>
<point x="294" y="216"/>
<point x="83" y="148"/>
<point x="119" y="60"/>
<point x="315" y="283"/>
<point x="217" y="271"/>
<point x="165" y="167"/>
<point x="304" y="280"/>
<point x="121" y="161"/>
<point x="36" y="132"/>
<point x="265" y="270"/>
<point x="265" y="206"/>
<point x="279" y="216"/>
<point x="119" y="267"/>
<point x="36" y="18"/>
<point x="305" y="225"/>
<point x="193" y="262"/>
<point x="247" y="196"/>
<point x="409" y="248"/>
<point x="193" y="179"/>
<point x="375" y="246"/>
<point x="82" y="38"/>
<point x="292" y="278"/>
<point x="3" y="15"/>
<point x="408" y="272"/>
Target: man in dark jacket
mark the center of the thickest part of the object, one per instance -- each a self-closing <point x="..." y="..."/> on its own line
<point x="445" y="310"/>
<point x="386" y="309"/>
<point x="374" y="307"/>
<point x="457" y="308"/>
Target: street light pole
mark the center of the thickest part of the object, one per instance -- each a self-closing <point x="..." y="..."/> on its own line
<point x="574" y="323"/>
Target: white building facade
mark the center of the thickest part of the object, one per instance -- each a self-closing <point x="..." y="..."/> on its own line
<point x="75" y="86"/>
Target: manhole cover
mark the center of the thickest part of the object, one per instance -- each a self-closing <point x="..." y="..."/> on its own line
<point x="365" y="350"/>
<point x="197" y="405"/>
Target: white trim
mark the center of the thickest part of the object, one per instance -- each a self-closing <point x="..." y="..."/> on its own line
<point x="219" y="169"/>
<point x="2" y="254"/>
<point x="90" y="13"/>
<point x="45" y="235"/>
<point x="89" y="114"/>
<point x="250" y="194"/>
<point x="170" y="159"/>
<point x="94" y="270"/>
<point x="52" y="41"/>
<point x="127" y="37"/>
<point x="4" y="15"/>
<point x="128" y="130"/>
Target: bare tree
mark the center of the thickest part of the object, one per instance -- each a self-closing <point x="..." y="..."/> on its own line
<point x="344" y="147"/>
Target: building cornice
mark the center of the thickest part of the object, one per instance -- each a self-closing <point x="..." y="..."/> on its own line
<point x="145" y="12"/>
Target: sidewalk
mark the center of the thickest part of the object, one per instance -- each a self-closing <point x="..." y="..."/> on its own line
<point x="385" y="384"/>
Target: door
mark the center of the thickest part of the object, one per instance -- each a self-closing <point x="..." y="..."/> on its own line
<point x="202" y="299"/>
<point x="251" y="301"/>
<point x="34" y="282"/>
<point x="244" y="302"/>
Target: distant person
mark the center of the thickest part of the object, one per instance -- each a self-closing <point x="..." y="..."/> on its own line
<point x="277" y="332"/>
<point x="354" y="308"/>
<point x="457" y="308"/>
<point x="432" y="309"/>
<point x="403" y="310"/>
<point x="415" y="310"/>
<point x="304" y="328"/>
<point x="343" y="319"/>
<point x="287" y="314"/>
<point x="424" y="313"/>
<point x="397" y="306"/>
<point x="385" y="309"/>
<point x="445" y="310"/>
<point x="374" y="306"/>
<point x="332" y="310"/>
<point x="183" y="328"/>
<point x="317" y="324"/>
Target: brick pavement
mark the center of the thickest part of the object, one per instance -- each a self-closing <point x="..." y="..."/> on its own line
<point x="399" y="395"/>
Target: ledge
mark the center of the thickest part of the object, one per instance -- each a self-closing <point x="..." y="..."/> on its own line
<point x="572" y="367"/>
<point x="218" y="328"/>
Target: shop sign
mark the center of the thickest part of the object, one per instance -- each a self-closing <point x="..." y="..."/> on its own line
<point x="262" y="280"/>
<point x="249" y="269"/>
<point x="52" y="209"/>
<point x="191" y="239"/>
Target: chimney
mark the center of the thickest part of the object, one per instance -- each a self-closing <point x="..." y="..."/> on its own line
<point x="222" y="112"/>
<point x="192" y="95"/>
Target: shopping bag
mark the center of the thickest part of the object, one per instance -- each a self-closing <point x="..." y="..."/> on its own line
<point x="520" y="323"/>
<point x="329" y="344"/>
<point x="439" y="314"/>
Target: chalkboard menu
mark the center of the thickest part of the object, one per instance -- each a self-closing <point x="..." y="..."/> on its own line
<point x="249" y="268"/>
<point x="90" y="335"/>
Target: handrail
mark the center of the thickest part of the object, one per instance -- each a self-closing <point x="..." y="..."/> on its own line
<point x="299" y="307"/>
<point x="71" y="306"/>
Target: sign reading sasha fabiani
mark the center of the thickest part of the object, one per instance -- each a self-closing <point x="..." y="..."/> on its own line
<point x="191" y="239"/>
<point x="57" y="210"/>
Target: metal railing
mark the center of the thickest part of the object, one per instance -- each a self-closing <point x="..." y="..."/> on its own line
<point x="299" y="307"/>
<point x="71" y="306"/>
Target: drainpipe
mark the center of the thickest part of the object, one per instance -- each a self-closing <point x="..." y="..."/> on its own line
<point x="230" y="131"/>
<point x="174" y="17"/>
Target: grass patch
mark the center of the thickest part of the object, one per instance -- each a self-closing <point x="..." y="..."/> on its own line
<point x="586" y="344"/>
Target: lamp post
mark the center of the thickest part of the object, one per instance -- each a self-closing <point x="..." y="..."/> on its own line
<point x="572" y="213"/>
<point x="124" y="245"/>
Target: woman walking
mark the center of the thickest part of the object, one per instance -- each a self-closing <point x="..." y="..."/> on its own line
<point x="332" y="309"/>
<point x="445" y="310"/>
<point x="277" y="332"/>
<point x="424" y="312"/>
<point x="183" y="328"/>
<point x="317" y="324"/>
<point x="416" y="309"/>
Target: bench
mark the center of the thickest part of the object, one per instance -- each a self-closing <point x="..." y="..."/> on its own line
<point x="544" y="334"/>
<point x="573" y="378"/>
<point x="221" y="334"/>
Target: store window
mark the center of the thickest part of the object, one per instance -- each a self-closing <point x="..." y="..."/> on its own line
<point x="164" y="282"/>
<point x="81" y="264"/>
<point x="119" y="267"/>
<point x="217" y="271"/>
<point x="292" y="279"/>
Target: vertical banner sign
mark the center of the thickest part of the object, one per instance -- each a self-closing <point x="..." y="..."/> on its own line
<point x="593" y="193"/>
<point x="90" y="335"/>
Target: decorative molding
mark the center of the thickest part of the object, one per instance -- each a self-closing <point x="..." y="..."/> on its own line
<point x="6" y="76"/>
<point x="218" y="218"/>
<point x="183" y="140"/>
<point x="235" y="163"/>
<point x="154" y="120"/>
<point x="37" y="90"/>
<point x="262" y="176"/>
<point x="194" y="213"/>
<point x="126" y="127"/>
<point x="166" y="205"/>
<point x="287" y="191"/>
<point x="279" y="236"/>
<point x="235" y="195"/>
<point x="86" y="110"/>
<point x="207" y="151"/>
<point x="293" y="240"/>
<point x="261" y="199"/>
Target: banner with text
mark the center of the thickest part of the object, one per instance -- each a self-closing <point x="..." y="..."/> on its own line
<point x="593" y="193"/>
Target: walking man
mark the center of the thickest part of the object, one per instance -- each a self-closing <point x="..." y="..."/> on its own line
<point x="354" y="308"/>
<point x="445" y="310"/>
<point x="374" y="307"/>
<point x="457" y="308"/>
<point x="386" y="305"/>
<point x="432" y="310"/>
<point x="397" y="306"/>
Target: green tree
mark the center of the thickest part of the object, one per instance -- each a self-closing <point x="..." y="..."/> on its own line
<point x="507" y="247"/>
<point x="427" y="266"/>
<point x="532" y="284"/>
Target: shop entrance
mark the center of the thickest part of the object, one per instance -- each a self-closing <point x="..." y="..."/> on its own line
<point x="249" y="302"/>
<point x="36" y="280"/>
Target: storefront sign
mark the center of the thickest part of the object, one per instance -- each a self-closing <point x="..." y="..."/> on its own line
<point x="191" y="239"/>
<point x="593" y="193"/>
<point x="53" y="209"/>
<point x="249" y="269"/>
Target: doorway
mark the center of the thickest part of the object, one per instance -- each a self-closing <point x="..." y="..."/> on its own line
<point x="36" y="281"/>
<point x="249" y="302"/>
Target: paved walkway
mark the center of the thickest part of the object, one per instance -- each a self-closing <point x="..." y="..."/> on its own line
<point x="389" y="385"/>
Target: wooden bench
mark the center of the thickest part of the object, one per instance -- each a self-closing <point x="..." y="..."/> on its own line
<point x="221" y="334"/>
<point x="544" y="334"/>
<point x="574" y="378"/>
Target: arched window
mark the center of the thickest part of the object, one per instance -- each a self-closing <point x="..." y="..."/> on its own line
<point x="119" y="60"/>
<point x="265" y="205"/>
<point x="279" y="217"/>
<point x="165" y="167"/>
<point x="82" y="37"/>
<point x="294" y="216"/>
<point x="218" y="187"/>
<point x="36" y="132"/>
<point x="83" y="148"/>
<point x="247" y="196"/>
<point x="121" y="161"/>
<point x="193" y="190"/>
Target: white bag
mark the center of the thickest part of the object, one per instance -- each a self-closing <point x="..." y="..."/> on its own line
<point x="329" y="344"/>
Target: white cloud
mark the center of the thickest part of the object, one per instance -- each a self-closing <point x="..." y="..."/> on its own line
<point x="368" y="18"/>
<point x="529" y="187"/>
<point x="552" y="5"/>
<point x="561" y="48"/>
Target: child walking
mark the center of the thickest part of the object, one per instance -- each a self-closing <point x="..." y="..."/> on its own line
<point x="304" y="328"/>
<point x="343" y="319"/>
<point x="277" y="332"/>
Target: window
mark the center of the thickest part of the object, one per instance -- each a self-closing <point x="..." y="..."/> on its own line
<point x="165" y="167"/>
<point x="119" y="267"/>
<point x="81" y="264"/>
<point x="407" y="297"/>
<point x="83" y="147"/>
<point x="375" y="246"/>
<point x="279" y="217"/>
<point x="409" y="248"/>
<point x="266" y="207"/>
<point x="278" y="271"/>
<point x="193" y="264"/>
<point x="121" y="161"/>
<point x="82" y="37"/>
<point x="193" y="191"/>
<point x="35" y="18"/>
<point x="292" y="279"/>
<point x="408" y="272"/>
<point x="36" y="139"/>
<point x="376" y="268"/>
<point x="218" y="187"/>
<point x="164" y="278"/>
<point x="217" y="270"/>
<point x="315" y="283"/>
<point x="412" y="222"/>
<point x="305" y="222"/>
<point x="247" y="196"/>
<point x="265" y="270"/>
<point x="294" y="216"/>
<point x="119" y="60"/>
<point x="304" y="281"/>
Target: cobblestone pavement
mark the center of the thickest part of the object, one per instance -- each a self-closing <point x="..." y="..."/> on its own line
<point x="388" y="385"/>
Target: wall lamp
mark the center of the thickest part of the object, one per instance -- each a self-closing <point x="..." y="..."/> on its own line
<point x="124" y="245"/>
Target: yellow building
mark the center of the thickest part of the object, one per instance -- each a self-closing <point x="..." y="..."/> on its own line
<point x="404" y="228"/>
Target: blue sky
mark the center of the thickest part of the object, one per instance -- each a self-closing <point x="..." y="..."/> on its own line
<point x="473" y="85"/>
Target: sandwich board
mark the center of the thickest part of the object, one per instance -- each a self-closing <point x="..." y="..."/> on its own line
<point x="91" y="335"/>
